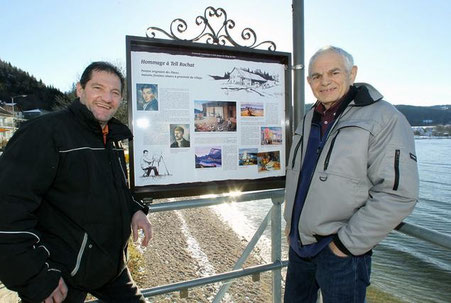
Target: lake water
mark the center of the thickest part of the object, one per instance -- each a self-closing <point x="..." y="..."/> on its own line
<point x="406" y="267"/>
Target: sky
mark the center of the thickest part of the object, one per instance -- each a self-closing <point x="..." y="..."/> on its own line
<point x="401" y="47"/>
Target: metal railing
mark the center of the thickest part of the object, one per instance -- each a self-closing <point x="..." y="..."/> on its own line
<point x="273" y="216"/>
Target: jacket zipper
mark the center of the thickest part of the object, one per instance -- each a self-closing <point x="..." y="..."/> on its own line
<point x="296" y="151"/>
<point x="326" y="162"/>
<point x="80" y="254"/>
<point x="396" y="184"/>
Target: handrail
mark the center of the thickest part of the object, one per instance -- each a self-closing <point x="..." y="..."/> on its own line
<point x="210" y="201"/>
<point x="425" y="234"/>
<point x="159" y="290"/>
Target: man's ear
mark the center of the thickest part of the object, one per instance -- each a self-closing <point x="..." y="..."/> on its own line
<point x="353" y="74"/>
<point x="79" y="89"/>
<point x="309" y="81"/>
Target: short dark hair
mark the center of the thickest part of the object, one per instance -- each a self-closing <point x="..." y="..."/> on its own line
<point x="145" y="151"/>
<point x="100" y="66"/>
<point x="147" y="86"/>
<point x="180" y="129"/>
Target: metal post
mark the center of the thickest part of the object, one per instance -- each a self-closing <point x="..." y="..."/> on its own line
<point x="276" y="248"/>
<point x="298" y="61"/>
<point x="247" y="251"/>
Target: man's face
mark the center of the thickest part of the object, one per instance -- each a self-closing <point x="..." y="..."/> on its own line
<point x="101" y="95"/>
<point x="147" y="95"/>
<point x="178" y="135"/>
<point x="329" y="79"/>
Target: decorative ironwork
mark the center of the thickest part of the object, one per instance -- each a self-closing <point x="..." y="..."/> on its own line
<point x="208" y="34"/>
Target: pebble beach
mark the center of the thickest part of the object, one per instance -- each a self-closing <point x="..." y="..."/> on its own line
<point x="194" y="243"/>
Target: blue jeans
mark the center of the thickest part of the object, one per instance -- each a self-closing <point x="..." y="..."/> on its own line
<point x="341" y="279"/>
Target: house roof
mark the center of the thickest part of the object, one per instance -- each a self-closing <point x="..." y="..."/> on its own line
<point x="248" y="75"/>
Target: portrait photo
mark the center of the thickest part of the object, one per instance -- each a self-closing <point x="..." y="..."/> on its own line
<point x="180" y="135"/>
<point x="147" y="97"/>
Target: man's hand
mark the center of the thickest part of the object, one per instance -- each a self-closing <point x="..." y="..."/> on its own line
<point x="59" y="294"/>
<point x="336" y="250"/>
<point x="287" y="233"/>
<point x="140" y="221"/>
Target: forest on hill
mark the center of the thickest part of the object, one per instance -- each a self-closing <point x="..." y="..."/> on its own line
<point x="15" y="82"/>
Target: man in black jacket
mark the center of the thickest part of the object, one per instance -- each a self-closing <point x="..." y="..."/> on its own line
<point x="65" y="206"/>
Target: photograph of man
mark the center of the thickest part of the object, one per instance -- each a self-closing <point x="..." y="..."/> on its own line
<point x="66" y="214"/>
<point x="147" y="97"/>
<point x="179" y="136"/>
<point x="147" y="164"/>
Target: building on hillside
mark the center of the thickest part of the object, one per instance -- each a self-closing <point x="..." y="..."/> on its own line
<point x="11" y="117"/>
<point x="242" y="77"/>
<point x="6" y="126"/>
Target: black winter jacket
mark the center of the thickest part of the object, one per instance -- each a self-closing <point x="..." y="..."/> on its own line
<point x="65" y="207"/>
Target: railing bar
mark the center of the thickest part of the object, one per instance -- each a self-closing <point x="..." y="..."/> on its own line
<point x="276" y="249"/>
<point x="250" y="246"/>
<point x="212" y="279"/>
<point x="427" y="235"/>
<point x="210" y="201"/>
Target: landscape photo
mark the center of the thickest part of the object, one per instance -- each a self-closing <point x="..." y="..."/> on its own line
<point x="252" y="109"/>
<point x="208" y="157"/>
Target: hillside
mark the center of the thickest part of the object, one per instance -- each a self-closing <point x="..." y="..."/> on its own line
<point x="421" y="115"/>
<point x="14" y="82"/>
<point x="426" y="115"/>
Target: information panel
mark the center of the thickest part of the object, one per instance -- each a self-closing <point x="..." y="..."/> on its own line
<point x="206" y="119"/>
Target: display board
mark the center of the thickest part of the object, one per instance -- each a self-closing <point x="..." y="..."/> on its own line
<point x="206" y="119"/>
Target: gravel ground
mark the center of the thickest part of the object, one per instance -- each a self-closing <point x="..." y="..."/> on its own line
<point x="168" y="258"/>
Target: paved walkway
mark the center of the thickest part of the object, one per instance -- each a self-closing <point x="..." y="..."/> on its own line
<point x="7" y="296"/>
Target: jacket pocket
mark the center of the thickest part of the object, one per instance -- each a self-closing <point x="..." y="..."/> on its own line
<point x="94" y="267"/>
<point x="396" y="167"/>
<point x="80" y="255"/>
<point x="297" y="143"/>
<point x="329" y="152"/>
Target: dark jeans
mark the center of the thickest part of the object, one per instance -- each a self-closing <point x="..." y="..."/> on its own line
<point x="341" y="279"/>
<point x="120" y="290"/>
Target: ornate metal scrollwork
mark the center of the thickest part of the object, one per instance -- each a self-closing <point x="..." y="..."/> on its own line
<point x="208" y="34"/>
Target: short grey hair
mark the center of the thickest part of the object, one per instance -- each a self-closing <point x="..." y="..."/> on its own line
<point x="347" y="57"/>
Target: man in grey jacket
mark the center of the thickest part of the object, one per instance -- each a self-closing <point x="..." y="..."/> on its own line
<point x="351" y="178"/>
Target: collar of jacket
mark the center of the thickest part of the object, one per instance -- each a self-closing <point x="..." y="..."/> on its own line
<point x="116" y="130"/>
<point x="366" y="95"/>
